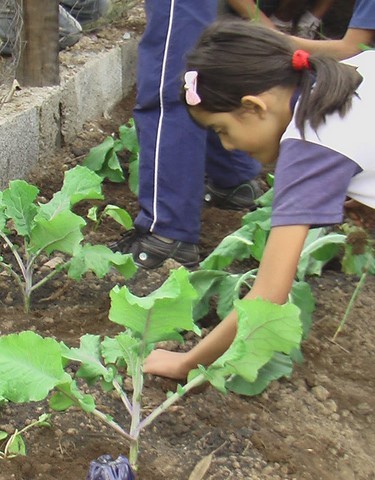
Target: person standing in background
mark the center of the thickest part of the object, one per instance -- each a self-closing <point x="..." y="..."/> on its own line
<point x="175" y="153"/>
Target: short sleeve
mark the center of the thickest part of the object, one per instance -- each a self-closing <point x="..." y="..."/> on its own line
<point x="363" y="15"/>
<point x="311" y="183"/>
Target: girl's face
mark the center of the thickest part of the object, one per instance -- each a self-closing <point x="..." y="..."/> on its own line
<point x="255" y="128"/>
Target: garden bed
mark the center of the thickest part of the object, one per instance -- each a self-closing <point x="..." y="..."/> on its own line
<point x="317" y="424"/>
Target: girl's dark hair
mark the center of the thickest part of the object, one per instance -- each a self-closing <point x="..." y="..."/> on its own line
<point x="235" y="58"/>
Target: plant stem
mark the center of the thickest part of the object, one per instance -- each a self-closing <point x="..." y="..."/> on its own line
<point x="101" y="416"/>
<point x="198" y="380"/>
<point x="48" y="277"/>
<point x="351" y="303"/>
<point x="14" y="252"/>
<point x="137" y="397"/>
<point x="123" y="396"/>
<point x="136" y="413"/>
<point x="15" y="275"/>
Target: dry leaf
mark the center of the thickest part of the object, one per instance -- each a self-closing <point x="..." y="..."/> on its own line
<point x="53" y="262"/>
<point x="201" y="468"/>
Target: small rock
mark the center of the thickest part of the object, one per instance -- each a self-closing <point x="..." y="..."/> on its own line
<point x="320" y="393"/>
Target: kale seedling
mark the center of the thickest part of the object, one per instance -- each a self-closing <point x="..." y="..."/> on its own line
<point x="30" y="229"/>
<point x="264" y="329"/>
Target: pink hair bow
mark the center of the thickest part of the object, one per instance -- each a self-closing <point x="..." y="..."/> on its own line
<point x="191" y="96"/>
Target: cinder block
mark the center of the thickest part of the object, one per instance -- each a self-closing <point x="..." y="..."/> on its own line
<point x="45" y="117"/>
<point x="19" y="145"/>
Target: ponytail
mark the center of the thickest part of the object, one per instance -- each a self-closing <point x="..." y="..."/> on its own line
<point x="328" y="87"/>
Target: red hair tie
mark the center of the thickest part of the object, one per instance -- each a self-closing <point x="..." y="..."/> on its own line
<point x="300" y="60"/>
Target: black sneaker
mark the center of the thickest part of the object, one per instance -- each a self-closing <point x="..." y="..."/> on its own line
<point x="238" y="198"/>
<point x="150" y="252"/>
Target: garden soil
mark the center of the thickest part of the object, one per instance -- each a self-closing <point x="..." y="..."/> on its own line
<point x="317" y="425"/>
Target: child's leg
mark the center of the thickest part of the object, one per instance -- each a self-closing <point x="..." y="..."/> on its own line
<point x="172" y="147"/>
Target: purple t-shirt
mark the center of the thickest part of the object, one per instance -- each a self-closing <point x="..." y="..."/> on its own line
<point x="363" y="15"/>
<point x="304" y="192"/>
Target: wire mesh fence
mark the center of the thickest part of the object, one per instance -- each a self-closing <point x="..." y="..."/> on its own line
<point x="11" y="21"/>
<point x="75" y="18"/>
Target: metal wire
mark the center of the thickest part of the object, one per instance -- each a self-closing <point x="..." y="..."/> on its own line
<point x="10" y="42"/>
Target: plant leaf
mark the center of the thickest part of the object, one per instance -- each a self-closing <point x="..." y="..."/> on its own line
<point x="128" y="136"/>
<point x="89" y="355"/>
<point x="237" y="245"/>
<point x="159" y="316"/>
<point x="120" y="215"/>
<point x="279" y="366"/>
<point x="30" y="366"/>
<point x="3" y="217"/>
<point x="68" y="396"/>
<point x="19" y="204"/>
<point x="206" y="284"/>
<point x="100" y="259"/>
<point x="201" y="468"/>
<point x="302" y="296"/>
<point x="263" y="329"/>
<point x="17" y="445"/>
<point x="62" y="233"/>
<point x="134" y="174"/>
<point x="80" y="183"/>
<point x="317" y="251"/>
<point x="123" y="346"/>
<point x="97" y="155"/>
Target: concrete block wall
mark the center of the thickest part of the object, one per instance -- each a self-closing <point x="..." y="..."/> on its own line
<point x="37" y="121"/>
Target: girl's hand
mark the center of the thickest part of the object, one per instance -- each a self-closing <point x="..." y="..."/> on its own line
<point x="167" y="364"/>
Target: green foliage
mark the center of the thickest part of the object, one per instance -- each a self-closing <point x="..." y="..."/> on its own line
<point x="279" y="366"/>
<point x="15" y="443"/>
<point x="248" y="241"/>
<point x="147" y="317"/>
<point x="32" y="367"/>
<point x="103" y="158"/>
<point x="120" y="215"/>
<point x="263" y="329"/>
<point x="319" y="248"/>
<point x="53" y="227"/>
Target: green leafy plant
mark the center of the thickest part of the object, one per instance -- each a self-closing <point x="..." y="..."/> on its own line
<point x="14" y="444"/>
<point x="264" y="330"/>
<point x="359" y="260"/>
<point x="30" y="229"/>
<point x="103" y="158"/>
<point x="120" y="215"/>
<point x="213" y="281"/>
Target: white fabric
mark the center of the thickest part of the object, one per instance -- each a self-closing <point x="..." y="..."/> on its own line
<point x="354" y="134"/>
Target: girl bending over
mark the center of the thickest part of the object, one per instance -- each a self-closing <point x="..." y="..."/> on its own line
<point x="308" y="113"/>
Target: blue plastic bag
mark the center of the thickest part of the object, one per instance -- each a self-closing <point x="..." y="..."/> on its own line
<point x="105" y="468"/>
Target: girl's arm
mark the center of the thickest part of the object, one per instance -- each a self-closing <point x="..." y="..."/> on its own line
<point x="346" y="47"/>
<point x="274" y="281"/>
<point x="248" y="9"/>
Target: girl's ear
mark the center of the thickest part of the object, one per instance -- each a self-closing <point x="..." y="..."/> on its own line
<point x="254" y="104"/>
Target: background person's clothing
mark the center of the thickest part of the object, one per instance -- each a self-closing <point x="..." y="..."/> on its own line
<point x="86" y="11"/>
<point x="363" y="15"/>
<point x="172" y="147"/>
<point x="72" y="13"/>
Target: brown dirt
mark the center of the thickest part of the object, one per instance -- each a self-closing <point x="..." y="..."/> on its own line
<point x="317" y="425"/>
